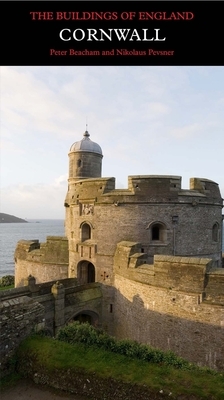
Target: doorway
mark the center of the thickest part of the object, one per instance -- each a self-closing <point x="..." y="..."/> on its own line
<point x="85" y="272"/>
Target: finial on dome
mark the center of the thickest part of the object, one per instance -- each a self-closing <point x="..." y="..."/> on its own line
<point x="86" y="134"/>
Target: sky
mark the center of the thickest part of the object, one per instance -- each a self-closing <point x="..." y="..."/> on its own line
<point x="148" y="121"/>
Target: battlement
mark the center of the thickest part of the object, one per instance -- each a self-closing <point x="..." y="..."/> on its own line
<point x="187" y="274"/>
<point x="50" y="258"/>
<point x="150" y="188"/>
<point x="150" y="252"/>
<point x="55" y="248"/>
<point x="157" y="183"/>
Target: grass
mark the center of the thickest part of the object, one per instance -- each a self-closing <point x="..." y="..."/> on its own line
<point x="7" y="287"/>
<point x="9" y="381"/>
<point x="53" y="354"/>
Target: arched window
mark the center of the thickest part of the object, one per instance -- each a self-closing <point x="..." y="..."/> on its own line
<point x="158" y="232"/>
<point x="85" y="232"/>
<point x="79" y="163"/>
<point x="155" y="232"/>
<point x="215" y="231"/>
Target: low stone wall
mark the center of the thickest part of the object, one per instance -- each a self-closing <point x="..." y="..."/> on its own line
<point x="19" y="316"/>
<point x="48" y="306"/>
<point x="87" y="384"/>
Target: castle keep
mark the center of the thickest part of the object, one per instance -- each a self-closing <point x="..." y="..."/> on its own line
<point x="154" y="250"/>
<point x="154" y="211"/>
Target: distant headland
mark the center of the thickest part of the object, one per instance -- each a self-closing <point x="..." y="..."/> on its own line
<point x="6" y="218"/>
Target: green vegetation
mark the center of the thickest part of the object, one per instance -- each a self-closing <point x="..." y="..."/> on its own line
<point x="6" y="287"/>
<point x="7" y="282"/>
<point x="9" y="381"/>
<point x="53" y="356"/>
<point x="87" y="334"/>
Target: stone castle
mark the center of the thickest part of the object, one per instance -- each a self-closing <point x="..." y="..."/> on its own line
<point x="144" y="262"/>
<point x="154" y="211"/>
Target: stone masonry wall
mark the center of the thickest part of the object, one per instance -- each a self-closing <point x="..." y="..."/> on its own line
<point x="45" y="261"/>
<point x="19" y="316"/>
<point x="128" y="215"/>
<point x="170" y="320"/>
<point x="176" y="304"/>
<point x="47" y="306"/>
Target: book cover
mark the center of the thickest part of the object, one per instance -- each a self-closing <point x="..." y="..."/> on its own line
<point x="139" y="87"/>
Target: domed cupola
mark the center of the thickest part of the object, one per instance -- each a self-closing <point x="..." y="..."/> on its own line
<point x="86" y="144"/>
<point x="85" y="159"/>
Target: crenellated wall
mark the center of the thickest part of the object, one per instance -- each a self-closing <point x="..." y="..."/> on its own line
<point x="189" y="220"/>
<point x="46" y="261"/>
<point x="143" y="262"/>
<point x="176" y="304"/>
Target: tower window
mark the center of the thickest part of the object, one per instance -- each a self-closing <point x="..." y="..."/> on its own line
<point x="155" y="232"/>
<point x="158" y="232"/>
<point x="85" y="232"/>
<point x="79" y="163"/>
<point x="215" y="230"/>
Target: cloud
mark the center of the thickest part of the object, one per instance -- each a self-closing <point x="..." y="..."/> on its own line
<point x="27" y="101"/>
<point x="186" y="131"/>
<point x="35" y="201"/>
<point x="146" y="119"/>
<point x="61" y="180"/>
<point x="155" y="110"/>
<point x="8" y="146"/>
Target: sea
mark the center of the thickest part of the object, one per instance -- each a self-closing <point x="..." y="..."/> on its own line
<point x="11" y="233"/>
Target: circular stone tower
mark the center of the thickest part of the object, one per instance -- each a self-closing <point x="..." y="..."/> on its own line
<point x="85" y="162"/>
<point x="85" y="159"/>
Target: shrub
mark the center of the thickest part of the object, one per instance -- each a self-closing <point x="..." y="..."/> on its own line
<point x="78" y="333"/>
<point x="87" y="334"/>
<point x="7" y="280"/>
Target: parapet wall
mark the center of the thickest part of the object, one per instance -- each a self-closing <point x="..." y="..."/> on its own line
<point x="144" y="187"/>
<point x="46" y="261"/>
<point x="176" y="304"/>
<point x="170" y="320"/>
<point x="187" y="274"/>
